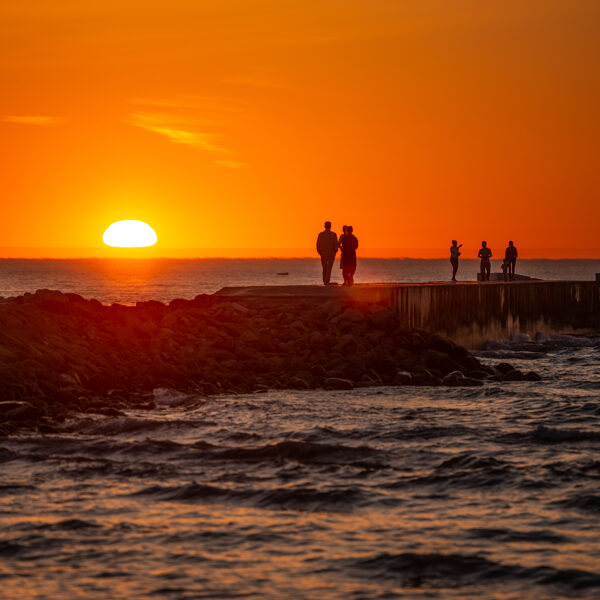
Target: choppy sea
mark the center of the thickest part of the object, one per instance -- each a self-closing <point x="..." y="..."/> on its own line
<point x="450" y="493"/>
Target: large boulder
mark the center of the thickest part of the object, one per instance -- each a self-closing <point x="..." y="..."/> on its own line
<point x="513" y="375"/>
<point x="438" y="360"/>
<point x="441" y="344"/>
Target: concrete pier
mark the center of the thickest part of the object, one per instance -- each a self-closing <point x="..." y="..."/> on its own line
<point x="468" y="313"/>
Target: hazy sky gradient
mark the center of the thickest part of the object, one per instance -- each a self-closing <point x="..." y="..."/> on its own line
<point x="245" y="124"/>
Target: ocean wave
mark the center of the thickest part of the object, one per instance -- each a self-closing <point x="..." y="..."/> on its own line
<point x="10" y="549"/>
<point x="114" y="426"/>
<point x="7" y="455"/>
<point x="311" y="499"/>
<point x="15" y="488"/>
<point x="303" y="452"/>
<point x="542" y="343"/>
<point x="69" y="525"/>
<point x="543" y="434"/>
<point x="169" y="397"/>
<point x="507" y="354"/>
<point x="438" y="570"/>
<point x="82" y="468"/>
<point x="578" y="410"/>
<point x="468" y="470"/>
<point x="189" y="492"/>
<point x="90" y="449"/>
<point x="450" y="570"/>
<point x="583" y="502"/>
<point x="426" y="432"/>
<point x="572" y="470"/>
<point x="535" y="536"/>
<point x="300" y="498"/>
<point x="554" y="435"/>
<point x="239" y="436"/>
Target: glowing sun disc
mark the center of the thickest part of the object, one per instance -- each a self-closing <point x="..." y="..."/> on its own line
<point x="129" y="234"/>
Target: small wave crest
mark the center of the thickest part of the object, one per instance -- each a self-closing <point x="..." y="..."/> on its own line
<point x="583" y="502"/>
<point x="69" y="525"/>
<point x="543" y="434"/>
<point x="7" y="455"/>
<point x="535" y="536"/>
<point x="169" y="397"/>
<point x="524" y="346"/>
<point x="468" y="470"/>
<point x="129" y="424"/>
<point x="554" y="435"/>
<point x="451" y="570"/>
<point x="301" y="498"/>
<point x="304" y="452"/>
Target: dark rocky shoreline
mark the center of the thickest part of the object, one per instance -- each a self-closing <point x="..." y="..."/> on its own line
<point x="61" y="353"/>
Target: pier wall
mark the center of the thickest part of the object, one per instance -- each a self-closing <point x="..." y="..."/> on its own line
<point x="471" y="313"/>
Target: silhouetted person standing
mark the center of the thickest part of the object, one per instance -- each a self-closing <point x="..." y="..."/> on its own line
<point x="485" y="254"/>
<point x="344" y="231"/>
<point x="454" y="254"/>
<point x="510" y="257"/>
<point x="348" y="244"/>
<point x="327" y="247"/>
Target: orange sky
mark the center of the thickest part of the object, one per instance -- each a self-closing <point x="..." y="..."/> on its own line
<point x="231" y="125"/>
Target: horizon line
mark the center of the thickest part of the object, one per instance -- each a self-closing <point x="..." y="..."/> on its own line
<point x="41" y="253"/>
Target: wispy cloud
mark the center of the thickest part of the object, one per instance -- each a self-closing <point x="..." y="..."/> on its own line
<point x="175" y="129"/>
<point x="40" y="120"/>
<point x="196" y="121"/>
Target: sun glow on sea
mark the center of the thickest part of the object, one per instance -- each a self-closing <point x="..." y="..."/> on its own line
<point x="129" y="234"/>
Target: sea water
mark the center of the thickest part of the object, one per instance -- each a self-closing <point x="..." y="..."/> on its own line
<point x="129" y="280"/>
<point x="450" y="493"/>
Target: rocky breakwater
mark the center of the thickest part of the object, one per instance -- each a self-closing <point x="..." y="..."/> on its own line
<point x="61" y="353"/>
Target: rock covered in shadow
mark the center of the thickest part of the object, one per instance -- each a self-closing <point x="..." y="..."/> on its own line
<point x="61" y="353"/>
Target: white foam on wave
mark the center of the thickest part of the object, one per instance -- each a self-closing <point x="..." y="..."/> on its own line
<point x="169" y="397"/>
<point x="114" y="426"/>
<point x="542" y="341"/>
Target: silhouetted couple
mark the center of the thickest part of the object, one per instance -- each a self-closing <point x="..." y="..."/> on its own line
<point x="327" y="247"/>
<point x="508" y="265"/>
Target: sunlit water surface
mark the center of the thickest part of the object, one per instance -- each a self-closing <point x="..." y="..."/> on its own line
<point x="450" y="493"/>
<point x="128" y="280"/>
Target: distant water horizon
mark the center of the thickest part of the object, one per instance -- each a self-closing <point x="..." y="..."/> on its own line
<point x="130" y="280"/>
<point x="158" y="252"/>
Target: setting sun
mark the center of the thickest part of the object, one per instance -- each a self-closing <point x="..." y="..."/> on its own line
<point x="129" y="234"/>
